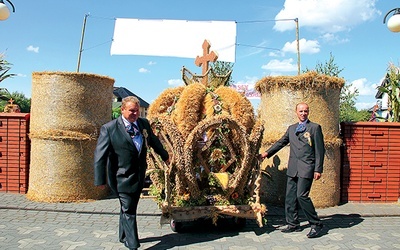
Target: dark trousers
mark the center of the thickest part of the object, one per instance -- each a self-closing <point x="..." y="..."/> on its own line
<point x="297" y="192"/>
<point x="128" y="232"/>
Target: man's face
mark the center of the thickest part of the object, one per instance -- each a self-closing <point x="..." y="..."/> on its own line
<point x="130" y="111"/>
<point x="302" y="112"/>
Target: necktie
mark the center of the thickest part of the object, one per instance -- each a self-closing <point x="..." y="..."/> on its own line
<point x="135" y="128"/>
<point x="300" y="128"/>
<point x="134" y="132"/>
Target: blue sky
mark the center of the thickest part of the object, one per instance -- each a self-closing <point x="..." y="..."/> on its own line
<point x="44" y="35"/>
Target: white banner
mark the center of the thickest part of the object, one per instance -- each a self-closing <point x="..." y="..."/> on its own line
<point x="248" y="90"/>
<point x="176" y="38"/>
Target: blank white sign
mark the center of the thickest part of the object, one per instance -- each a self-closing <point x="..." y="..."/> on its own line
<point x="175" y="38"/>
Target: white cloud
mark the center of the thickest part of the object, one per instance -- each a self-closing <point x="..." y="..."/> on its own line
<point x="367" y="91"/>
<point x="332" y="38"/>
<point x="151" y="63"/>
<point x="249" y="80"/>
<point x="175" y="82"/>
<point x="143" y="70"/>
<point x="33" y="49"/>
<point x="364" y="105"/>
<point x="276" y="54"/>
<point x="306" y="47"/>
<point x="364" y="87"/>
<point x="326" y="15"/>
<point x="285" y="65"/>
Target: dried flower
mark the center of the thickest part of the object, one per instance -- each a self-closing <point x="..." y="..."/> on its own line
<point x="217" y="108"/>
<point x="211" y="199"/>
<point x="186" y="196"/>
<point x="216" y="155"/>
<point x="235" y="195"/>
<point x="307" y="135"/>
<point x="170" y="109"/>
<point x="145" y="134"/>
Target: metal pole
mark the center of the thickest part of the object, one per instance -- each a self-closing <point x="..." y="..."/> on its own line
<point x="81" y="43"/>
<point x="298" y="45"/>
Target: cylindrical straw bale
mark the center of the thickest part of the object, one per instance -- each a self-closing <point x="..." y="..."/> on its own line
<point x="274" y="184"/>
<point x="277" y="108"/>
<point x="326" y="191"/>
<point x="70" y="101"/>
<point x="62" y="171"/>
<point x="67" y="112"/>
<point x="279" y="96"/>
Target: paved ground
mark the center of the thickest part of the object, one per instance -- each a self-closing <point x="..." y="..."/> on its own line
<point x="94" y="225"/>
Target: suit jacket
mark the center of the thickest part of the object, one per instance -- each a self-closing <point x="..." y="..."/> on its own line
<point x="116" y="156"/>
<point x="307" y="150"/>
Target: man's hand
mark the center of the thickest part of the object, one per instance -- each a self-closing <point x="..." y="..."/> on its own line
<point x="262" y="156"/>
<point x="102" y="187"/>
<point x="317" y="175"/>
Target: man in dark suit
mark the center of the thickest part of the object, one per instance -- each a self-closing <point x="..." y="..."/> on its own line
<point x="120" y="155"/>
<point x="306" y="159"/>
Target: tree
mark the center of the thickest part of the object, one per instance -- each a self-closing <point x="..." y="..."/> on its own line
<point x="347" y="109"/>
<point x="4" y="68"/>
<point x="348" y="94"/>
<point x="19" y="98"/>
<point x="23" y="102"/>
<point x="116" y="112"/>
<point x="329" y="68"/>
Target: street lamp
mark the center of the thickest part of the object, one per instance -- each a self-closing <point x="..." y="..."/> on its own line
<point x="393" y="23"/>
<point x="4" y="11"/>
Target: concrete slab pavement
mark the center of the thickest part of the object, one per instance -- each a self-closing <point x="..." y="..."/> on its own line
<point x="94" y="225"/>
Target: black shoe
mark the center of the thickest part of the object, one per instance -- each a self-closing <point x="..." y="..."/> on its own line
<point x="130" y="248"/>
<point x="291" y="229"/>
<point x="315" y="231"/>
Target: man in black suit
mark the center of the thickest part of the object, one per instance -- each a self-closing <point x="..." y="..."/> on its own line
<point x="120" y="155"/>
<point x="306" y="159"/>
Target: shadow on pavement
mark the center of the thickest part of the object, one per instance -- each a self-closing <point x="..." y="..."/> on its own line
<point x="330" y="222"/>
<point x="340" y="221"/>
<point x="202" y="230"/>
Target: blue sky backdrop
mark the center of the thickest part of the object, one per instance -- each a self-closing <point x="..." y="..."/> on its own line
<point x="44" y="35"/>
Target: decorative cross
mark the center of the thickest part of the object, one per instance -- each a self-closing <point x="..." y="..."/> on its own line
<point x="205" y="59"/>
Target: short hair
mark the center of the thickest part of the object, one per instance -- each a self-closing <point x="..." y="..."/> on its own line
<point x="308" y="107"/>
<point x="132" y="99"/>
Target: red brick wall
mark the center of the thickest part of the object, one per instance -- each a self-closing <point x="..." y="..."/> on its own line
<point x="14" y="152"/>
<point x="370" y="169"/>
<point x="370" y="162"/>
